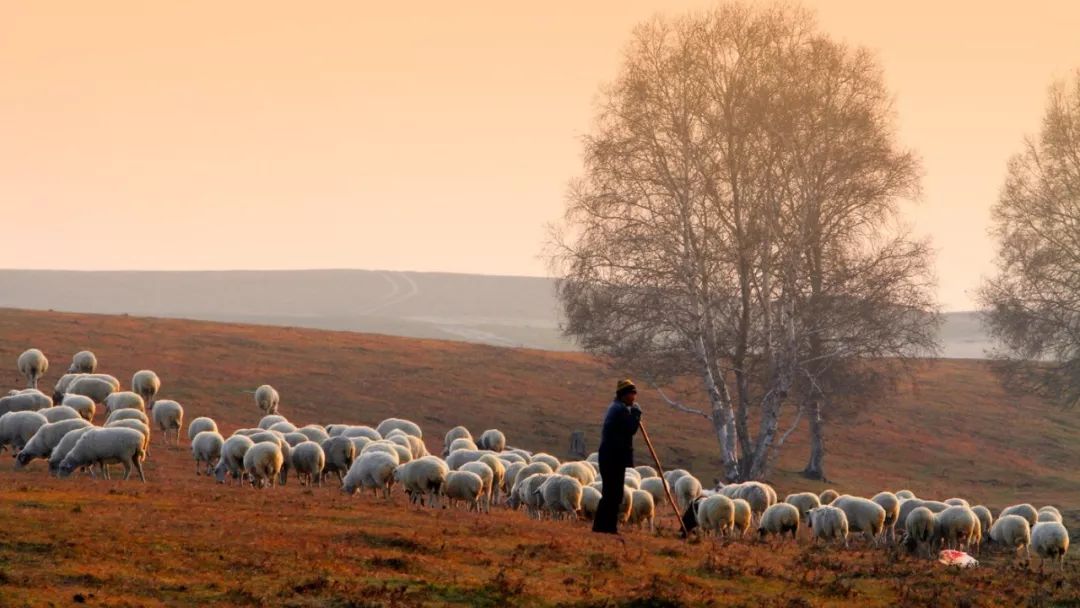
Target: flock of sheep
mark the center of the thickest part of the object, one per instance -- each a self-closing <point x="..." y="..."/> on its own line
<point x="477" y="472"/>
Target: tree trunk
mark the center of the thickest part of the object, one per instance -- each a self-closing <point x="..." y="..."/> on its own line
<point x="815" y="467"/>
<point x="723" y="418"/>
<point x="770" y="420"/>
<point x="577" y="445"/>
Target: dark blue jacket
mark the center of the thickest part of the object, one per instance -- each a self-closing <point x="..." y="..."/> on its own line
<point x="617" y="438"/>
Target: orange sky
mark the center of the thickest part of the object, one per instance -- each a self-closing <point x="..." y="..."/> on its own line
<point x="424" y="135"/>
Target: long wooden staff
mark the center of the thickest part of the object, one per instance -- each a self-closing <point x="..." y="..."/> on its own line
<point x="660" y="471"/>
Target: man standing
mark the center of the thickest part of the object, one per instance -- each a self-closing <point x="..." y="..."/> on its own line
<point x="616" y="454"/>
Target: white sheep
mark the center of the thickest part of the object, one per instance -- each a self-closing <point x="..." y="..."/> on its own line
<point x="93" y="386"/>
<point x="957" y="502"/>
<point x="200" y="424"/>
<point x="45" y="439"/>
<point x="906" y="506"/>
<point x="106" y="446"/>
<point x="130" y="423"/>
<point x="128" y="414"/>
<point x="422" y="479"/>
<point x="805" y="502"/>
<point x="1050" y="540"/>
<point x="16" y="428"/>
<point x="124" y="400"/>
<point x="547" y="459"/>
<point x="526" y="493"/>
<point x="61" y="450"/>
<point x="827" y="496"/>
<point x="780" y="518"/>
<point x="461" y="443"/>
<point x="715" y="515"/>
<point x="25" y="401"/>
<point x="82" y="404"/>
<point x="1024" y="510"/>
<point x="891" y="504"/>
<point x="407" y="426"/>
<point x="760" y="495"/>
<point x="590" y="501"/>
<point x="561" y="496"/>
<point x="401" y="453"/>
<point x="827" y="523"/>
<point x="512" y="471"/>
<point x="83" y="362"/>
<point x="1011" y="532"/>
<point x="60" y="388"/>
<point x="464" y="486"/>
<point x="905" y="494"/>
<point x="146" y="384"/>
<point x="863" y="515"/>
<point x="294" y="439"/>
<point x="956" y="528"/>
<point x="686" y="489"/>
<point x="921" y="527"/>
<point x="283" y="427"/>
<point x="262" y="463"/>
<point x="232" y="458"/>
<point x="340" y="454"/>
<point x="1048" y="514"/>
<point x="579" y="470"/>
<point x="455" y="459"/>
<point x="488" y="476"/>
<point x="362" y="431"/>
<point x="57" y="413"/>
<point x="498" y="470"/>
<point x="206" y="447"/>
<point x="495" y="440"/>
<point x="168" y="416"/>
<point x="308" y="460"/>
<point x="314" y="433"/>
<point x="267" y="399"/>
<point x="270" y="420"/>
<point x="372" y="470"/>
<point x="986" y="519"/>
<point x="646" y="472"/>
<point x="33" y="365"/>
<point x="744" y="515"/>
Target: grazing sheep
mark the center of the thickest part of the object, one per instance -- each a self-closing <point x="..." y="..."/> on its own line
<point x="359" y="443"/>
<point x="33" y="365"/>
<point x="57" y="413"/>
<point x="580" y="471"/>
<point x="461" y="443"/>
<point x="828" y="496"/>
<point x="16" y="428"/>
<point x="340" y="454"/>
<point x="200" y="424"/>
<point x="146" y="384"/>
<point x="1048" y="516"/>
<point x="206" y="447"/>
<point x="1050" y="540"/>
<point x="957" y="527"/>
<point x="283" y="427"/>
<point x="686" y="489"/>
<point x="827" y="523"/>
<point x="1024" y="510"/>
<point x="95" y="387"/>
<point x="957" y="502"/>
<point x="267" y="399"/>
<point x="168" y="416"/>
<point x="362" y="431"/>
<point x="422" y="479"/>
<point x="1050" y="508"/>
<point x="103" y="447"/>
<point x="464" y="486"/>
<point x="513" y="458"/>
<point x="498" y="469"/>
<point x="547" y="459"/>
<point x="1011" y="532"/>
<point x="779" y="519"/>
<point x="590" y="502"/>
<point x="642" y="510"/>
<point x="82" y="404"/>
<point x="25" y="401"/>
<point x="61" y="450"/>
<point x="804" y="502"/>
<point x="863" y="515"/>
<point x="295" y="439"/>
<point x="263" y="463"/>
<point x="986" y="519"/>
<point x="494" y="440"/>
<point x="907" y="506"/>
<point x="270" y="420"/>
<point x="561" y="496"/>
<point x="674" y="475"/>
<point x="631" y="480"/>
<point x="488" y="476"/>
<point x="525" y="492"/>
<point x="130" y="423"/>
<point x="511" y="476"/>
<point x="921" y="528"/>
<point x="744" y="515"/>
<point x="459" y="457"/>
<point x="646" y="472"/>
<point x="232" y="458"/>
<point x="760" y="496"/>
<point x="458" y="432"/>
<point x="654" y="486"/>
<point x="124" y="400"/>
<point x="891" y="504"/>
<point x="46" y="438"/>
<point x="715" y="515"/>
<point x="905" y="494"/>
<point x="372" y="470"/>
<point x="308" y="460"/>
<point x="402" y="453"/>
<point x="83" y="362"/>
<point x="407" y="426"/>
<point x="128" y="414"/>
<point x="314" y="432"/>
<point x="60" y="388"/>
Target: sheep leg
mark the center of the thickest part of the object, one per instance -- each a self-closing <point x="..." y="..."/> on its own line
<point x="127" y="471"/>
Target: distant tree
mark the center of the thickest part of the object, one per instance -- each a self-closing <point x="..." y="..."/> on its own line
<point x="1032" y="305"/>
<point x="733" y="221"/>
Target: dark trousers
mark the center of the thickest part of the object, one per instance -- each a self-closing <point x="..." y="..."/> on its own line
<point x="607" y="514"/>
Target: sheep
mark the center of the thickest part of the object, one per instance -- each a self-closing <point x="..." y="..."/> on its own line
<point x="374" y="470"/>
<point x="314" y="432"/>
<point x="631" y="480"/>
<point x="646" y="472"/>
<point x="779" y="519"/>
<point x="512" y="471"/>
<point x="128" y="414"/>
<point x="561" y="496"/>
<point x="25" y="401"/>
<point x="1050" y="540"/>
<point x="547" y="459"/>
<point x="804" y="502"/>
<point x="458" y="432"/>
<point x="512" y="457"/>
<point x="863" y="515"/>
<point x="267" y="399"/>
<point x="232" y="458"/>
<point x="124" y="400"/>
<point x="907" y="506"/>
<point x="715" y="515"/>
<point x="525" y="492"/>
<point x="905" y="494"/>
<point x="743" y="515"/>
<point x="642" y="510"/>
<point x="1050" y="508"/>
<point x="16" y="428"/>
<point x="401" y="453"/>
<point x="340" y="454"/>
<point x="463" y="486"/>
<point x="956" y="528"/>
<point x="168" y="416"/>
<point x="33" y="365"/>
<point x="422" y="479"/>
<point x="45" y="439"/>
<point x="459" y="457"/>
<point x="286" y="450"/>
<point x="488" y="476"/>
<point x="686" y="489"/>
<point x="270" y="420"/>
<point x="61" y="450"/>
<point x="294" y="439"/>
<point x="957" y="502"/>
<point x="359" y="443"/>
<point x="593" y="457"/>
<point x="461" y="443"/>
<point x="827" y="496"/>
<point x="95" y="387"/>
<point x="1011" y="532"/>
<point x="415" y="446"/>
<point x="494" y="440"/>
<point x="674" y="475"/>
<point x="130" y="423"/>
<point x="283" y="427"/>
<point x="986" y="519"/>
<point x="580" y="471"/>
<point x="83" y="362"/>
<point x="590" y="501"/>
<point x="200" y="424"/>
<point x="498" y="469"/>
<point x="1024" y="510"/>
<point x="407" y="426"/>
<point x="82" y="404"/>
<point x="827" y="523"/>
<point x="61" y="386"/>
<point x="206" y="447"/>
<point x="1048" y="516"/>
<point x="523" y="454"/>
<point x="535" y="468"/>
<point x="263" y="463"/>
<point x="891" y="504"/>
<point x="308" y="460"/>
<point x="654" y="486"/>
<point x="920" y="528"/>
<point x="760" y="496"/>
<point x="57" y="413"/>
<point x="103" y="447"/>
<point x="362" y="431"/>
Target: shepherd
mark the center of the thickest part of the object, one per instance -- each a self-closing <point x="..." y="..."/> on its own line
<point x="616" y="454"/>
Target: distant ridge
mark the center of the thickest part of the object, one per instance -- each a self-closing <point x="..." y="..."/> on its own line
<point x="486" y="309"/>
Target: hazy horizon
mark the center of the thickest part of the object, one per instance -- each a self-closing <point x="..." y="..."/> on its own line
<point x="431" y="138"/>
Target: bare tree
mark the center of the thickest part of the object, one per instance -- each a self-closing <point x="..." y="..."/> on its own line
<point x="1032" y="305"/>
<point x="741" y="165"/>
